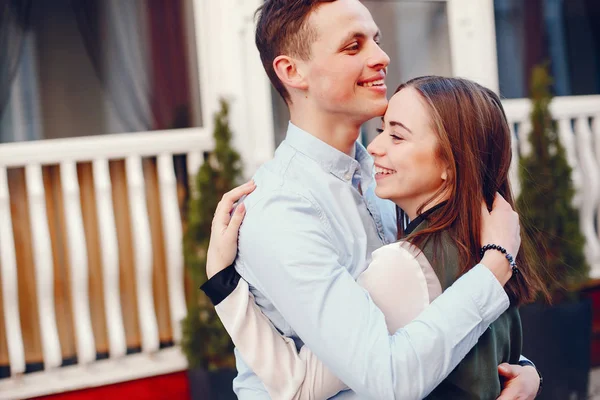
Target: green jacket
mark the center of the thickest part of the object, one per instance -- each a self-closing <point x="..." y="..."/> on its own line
<point x="476" y="377"/>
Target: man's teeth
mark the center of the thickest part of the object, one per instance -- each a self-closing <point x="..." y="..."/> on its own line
<point x="373" y="83"/>
<point x="384" y="171"/>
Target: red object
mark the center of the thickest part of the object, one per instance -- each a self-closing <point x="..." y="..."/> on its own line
<point x="170" y="84"/>
<point x="168" y="387"/>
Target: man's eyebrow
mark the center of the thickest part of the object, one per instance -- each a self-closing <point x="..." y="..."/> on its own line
<point x="360" y="35"/>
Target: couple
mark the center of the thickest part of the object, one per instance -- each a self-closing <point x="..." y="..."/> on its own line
<point x="434" y="314"/>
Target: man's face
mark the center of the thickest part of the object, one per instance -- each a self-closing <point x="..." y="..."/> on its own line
<point x="346" y="70"/>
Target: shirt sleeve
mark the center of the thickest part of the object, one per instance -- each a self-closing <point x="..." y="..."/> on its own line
<point x="246" y="385"/>
<point x="393" y="277"/>
<point x="288" y="255"/>
<point x="272" y="357"/>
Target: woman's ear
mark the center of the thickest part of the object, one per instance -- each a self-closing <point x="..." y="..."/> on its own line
<point x="445" y="174"/>
<point x="289" y="72"/>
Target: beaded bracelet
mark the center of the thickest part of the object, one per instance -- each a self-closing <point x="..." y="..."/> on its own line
<point x="502" y="250"/>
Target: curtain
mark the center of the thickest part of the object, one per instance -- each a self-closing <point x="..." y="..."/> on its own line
<point x="137" y="48"/>
<point x="170" y="97"/>
<point x="114" y="36"/>
<point x="15" y="20"/>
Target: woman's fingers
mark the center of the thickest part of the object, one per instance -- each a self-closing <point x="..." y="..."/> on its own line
<point x="236" y="221"/>
<point x="222" y="247"/>
<point x="500" y="202"/>
<point x="223" y="212"/>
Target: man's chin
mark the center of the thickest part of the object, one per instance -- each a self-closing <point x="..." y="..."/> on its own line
<point x="378" y="105"/>
<point x="376" y="110"/>
<point x="380" y="110"/>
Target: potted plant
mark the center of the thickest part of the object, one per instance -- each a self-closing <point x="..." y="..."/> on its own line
<point x="206" y="344"/>
<point x="557" y="335"/>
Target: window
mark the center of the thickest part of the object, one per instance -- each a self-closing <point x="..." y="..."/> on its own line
<point x="94" y="67"/>
<point x="563" y="32"/>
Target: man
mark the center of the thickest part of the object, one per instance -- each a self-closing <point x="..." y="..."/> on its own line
<point x="313" y="220"/>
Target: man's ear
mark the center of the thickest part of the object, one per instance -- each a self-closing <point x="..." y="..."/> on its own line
<point x="289" y="73"/>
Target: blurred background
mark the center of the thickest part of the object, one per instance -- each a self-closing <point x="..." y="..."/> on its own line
<point x="107" y="111"/>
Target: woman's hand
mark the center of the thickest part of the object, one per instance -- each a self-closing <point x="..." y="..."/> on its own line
<point x="500" y="226"/>
<point x="222" y="248"/>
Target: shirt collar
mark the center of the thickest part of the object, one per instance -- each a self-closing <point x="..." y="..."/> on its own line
<point x="329" y="158"/>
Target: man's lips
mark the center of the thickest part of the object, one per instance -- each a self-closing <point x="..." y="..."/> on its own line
<point x="377" y="83"/>
<point x="375" y="80"/>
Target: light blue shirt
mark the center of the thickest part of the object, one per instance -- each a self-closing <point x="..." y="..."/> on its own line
<point x="307" y="236"/>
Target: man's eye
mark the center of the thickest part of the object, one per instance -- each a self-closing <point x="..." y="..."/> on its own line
<point x="354" y="47"/>
<point x="379" y="130"/>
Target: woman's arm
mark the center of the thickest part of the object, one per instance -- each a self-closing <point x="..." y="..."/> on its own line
<point x="273" y="357"/>
<point x="400" y="281"/>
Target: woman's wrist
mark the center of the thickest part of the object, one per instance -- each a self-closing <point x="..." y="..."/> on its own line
<point x="496" y="251"/>
<point x="509" y="257"/>
<point x="498" y="265"/>
<point x="211" y="270"/>
<point x="214" y="264"/>
<point x="221" y="284"/>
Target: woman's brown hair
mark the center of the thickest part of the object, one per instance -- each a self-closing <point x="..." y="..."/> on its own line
<point x="475" y="140"/>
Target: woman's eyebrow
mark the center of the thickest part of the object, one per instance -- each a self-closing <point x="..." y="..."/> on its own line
<point x="396" y="123"/>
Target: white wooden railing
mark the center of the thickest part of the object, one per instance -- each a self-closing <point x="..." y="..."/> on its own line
<point x="99" y="150"/>
<point x="578" y="121"/>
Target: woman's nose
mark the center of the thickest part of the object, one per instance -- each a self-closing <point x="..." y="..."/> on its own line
<point x="375" y="148"/>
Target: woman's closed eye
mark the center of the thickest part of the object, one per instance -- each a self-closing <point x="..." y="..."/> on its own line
<point x="395" y="137"/>
<point x="392" y="135"/>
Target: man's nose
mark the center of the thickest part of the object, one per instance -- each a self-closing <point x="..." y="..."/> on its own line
<point x="379" y="59"/>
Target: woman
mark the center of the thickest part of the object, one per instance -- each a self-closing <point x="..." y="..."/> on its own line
<point x="444" y="148"/>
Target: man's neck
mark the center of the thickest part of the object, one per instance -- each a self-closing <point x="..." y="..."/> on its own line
<point x="333" y="130"/>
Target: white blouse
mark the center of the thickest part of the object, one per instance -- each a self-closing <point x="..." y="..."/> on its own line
<point x="399" y="279"/>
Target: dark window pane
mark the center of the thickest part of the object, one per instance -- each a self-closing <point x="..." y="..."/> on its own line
<point x="565" y="33"/>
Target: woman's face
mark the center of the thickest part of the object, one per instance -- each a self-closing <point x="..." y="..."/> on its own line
<point x="408" y="169"/>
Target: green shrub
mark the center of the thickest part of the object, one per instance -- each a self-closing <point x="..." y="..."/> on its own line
<point x="546" y="200"/>
<point x="205" y="342"/>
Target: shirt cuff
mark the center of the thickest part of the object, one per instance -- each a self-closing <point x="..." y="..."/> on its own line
<point x="221" y="285"/>
<point x="486" y="291"/>
<point x="523" y="358"/>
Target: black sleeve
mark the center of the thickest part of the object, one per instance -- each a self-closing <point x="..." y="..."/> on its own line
<point x="221" y="285"/>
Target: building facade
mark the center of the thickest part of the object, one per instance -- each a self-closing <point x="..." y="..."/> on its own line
<point x="106" y="111"/>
